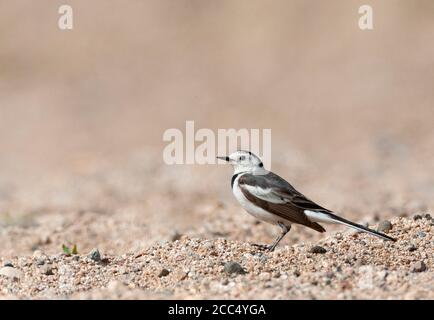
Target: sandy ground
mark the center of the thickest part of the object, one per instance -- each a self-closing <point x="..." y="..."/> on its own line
<point x="82" y="116"/>
<point x="342" y="266"/>
<point x="180" y="244"/>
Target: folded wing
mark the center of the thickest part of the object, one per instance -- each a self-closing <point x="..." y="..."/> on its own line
<point x="275" y="195"/>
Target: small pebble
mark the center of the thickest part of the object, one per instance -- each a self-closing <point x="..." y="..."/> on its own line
<point x="208" y="245"/>
<point x="428" y="216"/>
<point x="180" y="275"/>
<point x="175" y="236"/>
<point x="233" y="268"/>
<point x="419" y="266"/>
<point x="263" y="258"/>
<point x="38" y="254"/>
<point x="412" y="248"/>
<point x="123" y="270"/>
<point x="11" y="273"/>
<point x="45" y="239"/>
<point x="360" y="262"/>
<point x="162" y="243"/>
<point x="47" y="270"/>
<point x="95" y="255"/>
<point x="265" y="276"/>
<point x="115" y="286"/>
<point x="8" y="264"/>
<point x="317" y="249"/>
<point x="385" y="226"/>
<point x="163" y="272"/>
<point x="417" y="217"/>
<point x="421" y="234"/>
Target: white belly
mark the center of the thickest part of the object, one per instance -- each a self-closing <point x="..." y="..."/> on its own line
<point x="255" y="211"/>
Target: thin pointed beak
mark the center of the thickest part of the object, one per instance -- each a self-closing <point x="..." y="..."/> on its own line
<point x="223" y="158"/>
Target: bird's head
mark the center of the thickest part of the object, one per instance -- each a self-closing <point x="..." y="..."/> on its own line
<point x="245" y="161"/>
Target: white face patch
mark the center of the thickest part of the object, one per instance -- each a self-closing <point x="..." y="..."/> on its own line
<point x="244" y="161"/>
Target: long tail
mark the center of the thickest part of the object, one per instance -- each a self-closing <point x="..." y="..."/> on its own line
<point x="327" y="217"/>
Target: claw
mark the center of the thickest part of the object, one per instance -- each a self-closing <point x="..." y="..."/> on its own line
<point x="264" y="247"/>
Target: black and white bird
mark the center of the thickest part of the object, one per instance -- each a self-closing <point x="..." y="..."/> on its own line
<point x="272" y="199"/>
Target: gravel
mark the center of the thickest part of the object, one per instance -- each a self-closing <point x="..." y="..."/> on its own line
<point x="10" y="272"/>
<point x="356" y="265"/>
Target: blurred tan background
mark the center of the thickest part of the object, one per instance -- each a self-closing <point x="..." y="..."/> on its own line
<point x="82" y="113"/>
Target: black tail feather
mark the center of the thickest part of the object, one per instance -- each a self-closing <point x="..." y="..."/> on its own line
<point x="361" y="228"/>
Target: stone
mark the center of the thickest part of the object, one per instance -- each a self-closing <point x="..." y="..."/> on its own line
<point x="232" y="267"/>
<point x="412" y="248"/>
<point x="46" y="270"/>
<point x="419" y="266"/>
<point x="115" y="286"/>
<point x="95" y="255"/>
<point x="180" y="275"/>
<point x="385" y="226"/>
<point x="264" y="276"/>
<point x="317" y="249"/>
<point x="421" y="234"/>
<point x="40" y="261"/>
<point x="11" y="273"/>
<point x="175" y="235"/>
<point x="163" y="272"/>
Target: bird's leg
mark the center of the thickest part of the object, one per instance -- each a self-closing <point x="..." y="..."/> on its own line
<point x="284" y="231"/>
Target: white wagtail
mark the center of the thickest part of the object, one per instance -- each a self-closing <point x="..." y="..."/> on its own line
<point x="270" y="198"/>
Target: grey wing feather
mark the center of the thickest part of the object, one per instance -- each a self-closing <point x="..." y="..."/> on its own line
<point x="281" y="188"/>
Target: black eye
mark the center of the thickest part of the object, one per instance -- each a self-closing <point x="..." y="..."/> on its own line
<point x="242" y="158"/>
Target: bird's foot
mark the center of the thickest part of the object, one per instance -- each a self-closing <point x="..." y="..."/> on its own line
<point x="263" y="247"/>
